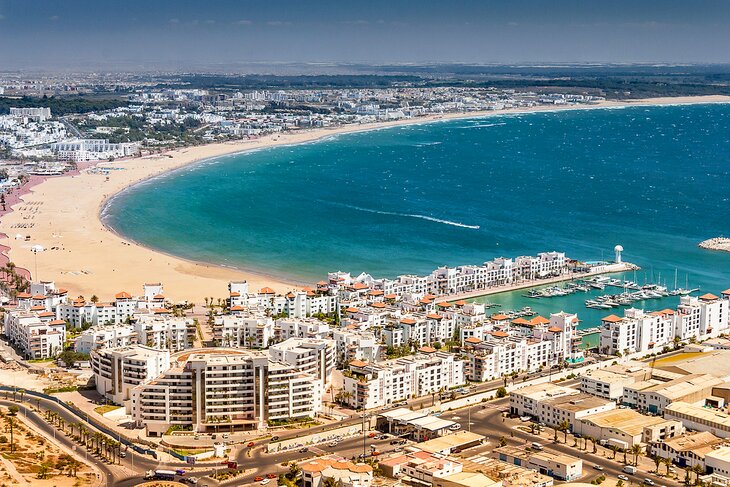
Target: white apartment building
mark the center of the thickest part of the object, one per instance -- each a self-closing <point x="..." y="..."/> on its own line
<point x="118" y="370"/>
<point x="312" y="356"/>
<point x="703" y="317"/>
<point x="113" y="336"/>
<point x="244" y="329"/>
<point x="37" y="114"/>
<point x="216" y="390"/>
<point x="37" y="335"/>
<point x="446" y="280"/>
<point x="379" y="384"/>
<point x="163" y="331"/>
<point x="696" y="317"/>
<point x="79" y="150"/>
<point x="356" y="345"/>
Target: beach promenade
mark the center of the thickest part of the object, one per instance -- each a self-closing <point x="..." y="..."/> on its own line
<point x="62" y="214"/>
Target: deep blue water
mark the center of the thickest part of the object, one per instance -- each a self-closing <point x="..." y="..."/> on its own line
<point x="407" y="199"/>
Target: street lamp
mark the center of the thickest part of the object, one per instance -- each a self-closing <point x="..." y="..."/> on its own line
<point x="35" y="249"/>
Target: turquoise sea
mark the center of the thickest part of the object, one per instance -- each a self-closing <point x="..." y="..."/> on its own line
<point x="407" y="199"/>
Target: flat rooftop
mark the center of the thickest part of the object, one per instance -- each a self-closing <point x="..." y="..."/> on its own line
<point x="683" y="386"/>
<point x="625" y="420"/>
<point x="708" y="416"/>
<point x="541" y="392"/>
<point x="578" y="402"/>
<point x="715" y="363"/>
<point x="703" y="441"/>
<point x="450" y="442"/>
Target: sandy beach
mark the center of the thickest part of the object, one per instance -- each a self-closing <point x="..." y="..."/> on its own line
<point x="62" y="214"/>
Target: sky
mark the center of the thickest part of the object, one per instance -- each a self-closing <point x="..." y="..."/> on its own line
<point x="184" y="33"/>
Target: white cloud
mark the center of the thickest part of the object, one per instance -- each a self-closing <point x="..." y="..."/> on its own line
<point x="53" y="18"/>
<point x="243" y="22"/>
<point x="174" y="21"/>
<point x="278" y="23"/>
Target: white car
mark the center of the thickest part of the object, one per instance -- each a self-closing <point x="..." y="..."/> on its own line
<point x="265" y="481"/>
<point x="622" y="477"/>
<point x="455" y="426"/>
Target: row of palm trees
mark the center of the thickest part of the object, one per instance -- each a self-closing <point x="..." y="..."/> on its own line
<point x="635" y="450"/>
<point x="103" y="445"/>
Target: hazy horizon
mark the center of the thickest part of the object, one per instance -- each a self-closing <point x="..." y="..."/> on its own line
<point x="182" y="34"/>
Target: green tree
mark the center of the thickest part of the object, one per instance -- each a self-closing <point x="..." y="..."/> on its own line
<point x="501" y="392"/>
<point x="502" y="441"/>
<point x="564" y="426"/>
<point x="636" y="451"/>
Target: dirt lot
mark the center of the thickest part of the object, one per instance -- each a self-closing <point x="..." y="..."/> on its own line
<point x="35" y="461"/>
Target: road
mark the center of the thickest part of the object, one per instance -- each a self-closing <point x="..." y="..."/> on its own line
<point x="488" y="420"/>
<point x="40" y="424"/>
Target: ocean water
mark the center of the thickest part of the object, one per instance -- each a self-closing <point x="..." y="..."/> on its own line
<point x="408" y="199"/>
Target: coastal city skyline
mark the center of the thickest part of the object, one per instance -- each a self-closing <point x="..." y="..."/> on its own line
<point x="365" y="244"/>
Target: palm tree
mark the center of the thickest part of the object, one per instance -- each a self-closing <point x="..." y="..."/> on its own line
<point x="614" y="449"/>
<point x="667" y="463"/>
<point x="657" y="460"/>
<point x="564" y="426"/>
<point x="636" y="450"/>
<point x="697" y="469"/>
<point x="22" y="393"/>
<point x="73" y="467"/>
<point x="98" y="437"/>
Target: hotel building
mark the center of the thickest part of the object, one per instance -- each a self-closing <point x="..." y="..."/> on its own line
<point x="224" y="390"/>
<point x="118" y="370"/>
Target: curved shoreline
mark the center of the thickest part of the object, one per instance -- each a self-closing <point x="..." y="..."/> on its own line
<point x="98" y="260"/>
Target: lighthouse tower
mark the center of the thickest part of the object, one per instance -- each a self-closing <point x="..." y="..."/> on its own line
<point x="618" y="249"/>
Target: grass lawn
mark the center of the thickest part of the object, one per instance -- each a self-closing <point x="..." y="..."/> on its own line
<point x="106" y="409"/>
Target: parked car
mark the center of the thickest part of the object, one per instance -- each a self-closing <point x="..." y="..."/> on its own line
<point x="274" y="438"/>
<point x="303" y="450"/>
<point x="333" y="444"/>
<point x="250" y="444"/>
<point x="265" y="481"/>
<point x="622" y="477"/>
<point x="598" y="467"/>
<point x="648" y="481"/>
<point x="258" y="479"/>
<point x="225" y="436"/>
<point x="455" y="426"/>
<point x="272" y="476"/>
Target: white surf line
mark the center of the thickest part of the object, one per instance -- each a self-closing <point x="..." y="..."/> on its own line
<point x="411" y="215"/>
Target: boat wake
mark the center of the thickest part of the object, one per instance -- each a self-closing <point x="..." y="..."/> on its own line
<point x="413" y="215"/>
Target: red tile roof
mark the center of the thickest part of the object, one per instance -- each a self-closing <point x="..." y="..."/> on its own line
<point x="612" y="319"/>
